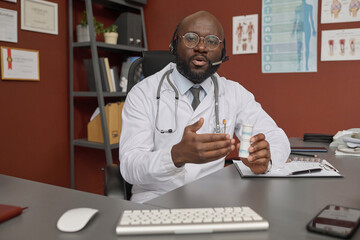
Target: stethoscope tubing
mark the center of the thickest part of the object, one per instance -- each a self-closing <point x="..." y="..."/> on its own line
<point x="167" y="74"/>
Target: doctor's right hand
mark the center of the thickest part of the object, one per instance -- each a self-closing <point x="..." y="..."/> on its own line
<point x="201" y="148"/>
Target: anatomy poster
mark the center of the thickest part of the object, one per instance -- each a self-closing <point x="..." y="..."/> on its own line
<point x="245" y="34"/>
<point x="340" y="45"/>
<point x="289" y="36"/>
<point x="334" y="11"/>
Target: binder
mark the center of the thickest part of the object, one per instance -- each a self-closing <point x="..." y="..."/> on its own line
<point x="129" y="29"/>
<point x="89" y="70"/>
<point x="113" y="119"/>
<point x="115" y="75"/>
<point x="104" y="75"/>
<point x="108" y="74"/>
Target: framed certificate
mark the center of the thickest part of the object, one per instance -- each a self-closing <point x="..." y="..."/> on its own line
<point x="19" y="64"/>
<point x="39" y="16"/>
<point x="8" y="23"/>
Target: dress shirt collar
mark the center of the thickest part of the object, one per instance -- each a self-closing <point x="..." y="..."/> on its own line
<point x="183" y="84"/>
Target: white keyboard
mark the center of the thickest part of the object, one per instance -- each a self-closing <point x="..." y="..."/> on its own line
<point x="190" y="220"/>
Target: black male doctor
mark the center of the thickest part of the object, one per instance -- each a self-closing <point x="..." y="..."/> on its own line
<point x="172" y="131"/>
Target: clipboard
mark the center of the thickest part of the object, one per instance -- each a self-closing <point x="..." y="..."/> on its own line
<point x="291" y="166"/>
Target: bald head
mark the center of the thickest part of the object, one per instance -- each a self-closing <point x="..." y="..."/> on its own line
<point x="201" y="20"/>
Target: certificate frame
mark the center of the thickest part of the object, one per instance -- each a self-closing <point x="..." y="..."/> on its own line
<point x="19" y="64"/>
<point x="39" y="16"/>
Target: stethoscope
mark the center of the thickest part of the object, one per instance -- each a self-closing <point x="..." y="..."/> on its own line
<point x="167" y="74"/>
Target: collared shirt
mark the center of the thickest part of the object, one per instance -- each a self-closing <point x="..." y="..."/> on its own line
<point x="183" y="85"/>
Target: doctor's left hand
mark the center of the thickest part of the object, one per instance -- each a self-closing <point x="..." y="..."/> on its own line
<point x="259" y="158"/>
<point x="201" y="148"/>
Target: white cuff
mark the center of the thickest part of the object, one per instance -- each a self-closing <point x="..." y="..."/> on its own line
<point x="269" y="166"/>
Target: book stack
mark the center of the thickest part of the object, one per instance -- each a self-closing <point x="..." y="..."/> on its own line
<point x="109" y="76"/>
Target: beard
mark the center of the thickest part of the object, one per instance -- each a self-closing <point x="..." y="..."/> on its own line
<point x="183" y="67"/>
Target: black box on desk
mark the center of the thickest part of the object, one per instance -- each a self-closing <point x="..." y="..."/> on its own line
<point x="143" y="2"/>
<point x="129" y="29"/>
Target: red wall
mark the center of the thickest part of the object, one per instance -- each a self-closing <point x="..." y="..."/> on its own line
<point x="34" y="122"/>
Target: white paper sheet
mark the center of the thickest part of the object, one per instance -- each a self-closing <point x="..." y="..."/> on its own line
<point x="289" y="168"/>
<point x="8" y="23"/>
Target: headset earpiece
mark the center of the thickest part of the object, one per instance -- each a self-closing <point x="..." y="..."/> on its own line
<point x="223" y="52"/>
<point x="172" y="46"/>
<point x="173" y="43"/>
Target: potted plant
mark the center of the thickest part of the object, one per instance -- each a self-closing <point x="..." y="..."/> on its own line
<point x="111" y="34"/>
<point x="82" y="30"/>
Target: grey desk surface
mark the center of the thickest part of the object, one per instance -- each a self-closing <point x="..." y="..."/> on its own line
<point x="46" y="203"/>
<point x="288" y="204"/>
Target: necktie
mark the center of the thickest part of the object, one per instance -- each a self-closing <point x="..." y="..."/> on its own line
<point x="195" y="92"/>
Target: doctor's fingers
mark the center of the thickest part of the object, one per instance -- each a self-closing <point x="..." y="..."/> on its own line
<point x="260" y="154"/>
<point x="259" y="145"/>
<point x="212" y="137"/>
<point x="257" y="138"/>
<point x="208" y="156"/>
<point x="209" y="146"/>
<point x="259" y="166"/>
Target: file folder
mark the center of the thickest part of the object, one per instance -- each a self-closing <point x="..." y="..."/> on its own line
<point x="113" y="119"/>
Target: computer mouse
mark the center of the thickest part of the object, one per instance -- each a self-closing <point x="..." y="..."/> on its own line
<point x="75" y="219"/>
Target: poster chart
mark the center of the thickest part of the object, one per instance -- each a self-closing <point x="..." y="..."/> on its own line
<point x="340" y="45"/>
<point x="289" y="36"/>
<point x="335" y="11"/>
<point x="245" y="34"/>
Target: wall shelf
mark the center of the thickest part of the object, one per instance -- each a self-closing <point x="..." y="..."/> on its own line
<point x="94" y="94"/>
<point x="85" y="143"/>
<point x="110" y="47"/>
<point x="123" y="51"/>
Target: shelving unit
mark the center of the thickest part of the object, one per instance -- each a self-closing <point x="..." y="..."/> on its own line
<point x="95" y="46"/>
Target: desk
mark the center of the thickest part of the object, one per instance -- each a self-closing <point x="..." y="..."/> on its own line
<point x="288" y="204"/>
<point x="47" y="203"/>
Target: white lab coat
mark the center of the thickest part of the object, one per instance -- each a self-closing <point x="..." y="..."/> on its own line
<point x="145" y="158"/>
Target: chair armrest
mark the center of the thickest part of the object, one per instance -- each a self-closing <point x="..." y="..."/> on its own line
<point x="114" y="184"/>
<point x="131" y="74"/>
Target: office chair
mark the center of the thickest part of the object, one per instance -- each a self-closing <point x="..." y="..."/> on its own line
<point x="150" y="63"/>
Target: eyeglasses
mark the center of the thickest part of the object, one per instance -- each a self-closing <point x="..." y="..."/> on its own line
<point x="191" y="40"/>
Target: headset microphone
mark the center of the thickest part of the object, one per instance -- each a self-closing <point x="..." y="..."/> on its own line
<point x="224" y="59"/>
